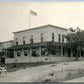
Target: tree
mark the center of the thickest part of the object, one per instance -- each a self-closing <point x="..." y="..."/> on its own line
<point x="75" y="41"/>
<point x="52" y="48"/>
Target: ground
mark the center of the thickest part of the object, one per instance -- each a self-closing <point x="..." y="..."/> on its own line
<point x="56" y="72"/>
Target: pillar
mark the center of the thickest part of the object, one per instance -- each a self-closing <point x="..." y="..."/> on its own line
<point x="61" y="50"/>
<point x="15" y="56"/>
<point x="30" y="52"/>
<point x="22" y="54"/>
<point x="80" y="54"/>
<point x="71" y="53"/>
<point x="6" y="53"/>
<point x="40" y="51"/>
<point x="14" y="53"/>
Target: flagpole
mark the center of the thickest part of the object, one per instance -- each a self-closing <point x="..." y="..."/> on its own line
<point x="29" y="19"/>
<point x="29" y="28"/>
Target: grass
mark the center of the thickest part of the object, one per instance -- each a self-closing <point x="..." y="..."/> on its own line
<point x="52" y="76"/>
<point x="16" y="66"/>
<point x="71" y="74"/>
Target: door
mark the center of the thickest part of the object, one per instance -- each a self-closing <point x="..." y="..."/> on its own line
<point x="69" y="52"/>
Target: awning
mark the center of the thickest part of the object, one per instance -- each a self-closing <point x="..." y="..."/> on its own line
<point x="26" y="46"/>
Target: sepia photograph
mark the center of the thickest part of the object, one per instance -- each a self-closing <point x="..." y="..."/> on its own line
<point x="42" y="41"/>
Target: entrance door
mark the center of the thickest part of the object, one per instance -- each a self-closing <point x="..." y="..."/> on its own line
<point x="69" y="52"/>
<point x="3" y="59"/>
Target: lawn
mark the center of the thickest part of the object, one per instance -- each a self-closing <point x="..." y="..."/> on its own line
<point x="43" y="72"/>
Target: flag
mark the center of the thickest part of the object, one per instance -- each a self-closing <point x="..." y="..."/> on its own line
<point x="33" y="13"/>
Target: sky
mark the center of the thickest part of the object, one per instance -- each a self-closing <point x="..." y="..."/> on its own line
<point x="14" y="15"/>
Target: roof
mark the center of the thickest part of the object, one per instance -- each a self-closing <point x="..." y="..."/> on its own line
<point x="6" y="41"/>
<point x="41" y="27"/>
<point x="34" y="45"/>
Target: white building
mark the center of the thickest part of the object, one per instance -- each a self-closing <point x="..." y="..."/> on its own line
<point x="30" y="45"/>
<point x="46" y="32"/>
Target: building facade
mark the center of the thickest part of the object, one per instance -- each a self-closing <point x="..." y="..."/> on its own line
<point x="6" y="44"/>
<point x="31" y="45"/>
<point x="3" y="49"/>
<point x="38" y="37"/>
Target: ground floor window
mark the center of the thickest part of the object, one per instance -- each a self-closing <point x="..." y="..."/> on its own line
<point x="34" y="52"/>
<point x="25" y="52"/>
<point x="10" y="53"/>
<point x="18" y="53"/>
<point x="74" y="54"/>
<point x="43" y="51"/>
<point x="82" y="54"/>
<point x="53" y="52"/>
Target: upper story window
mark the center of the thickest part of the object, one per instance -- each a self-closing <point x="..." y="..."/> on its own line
<point x="23" y="40"/>
<point x="63" y="38"/>
<point x="52" y="36"/>
<point x="31" y="39"/>
<point x="16" y="40"/>
<point x="42" y="38"/>
<point x="59" y="38"/>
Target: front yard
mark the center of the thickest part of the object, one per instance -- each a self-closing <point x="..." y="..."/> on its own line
<point x="55" y="72"/>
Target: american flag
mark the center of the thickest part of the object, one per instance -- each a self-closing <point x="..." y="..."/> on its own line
<point x="33" y="13"/>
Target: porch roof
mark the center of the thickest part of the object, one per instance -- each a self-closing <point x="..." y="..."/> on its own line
<point x="35" y="45"/>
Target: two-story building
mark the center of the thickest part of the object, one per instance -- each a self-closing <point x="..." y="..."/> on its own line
<point x="30" y="45"/>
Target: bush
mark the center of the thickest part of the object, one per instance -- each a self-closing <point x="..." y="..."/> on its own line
<point x="14" y="66"/>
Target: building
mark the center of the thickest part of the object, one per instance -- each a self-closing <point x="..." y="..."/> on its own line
<point x="3" y="48"/>
<point x="6" y="44"/>
<point x="31" y="45"/>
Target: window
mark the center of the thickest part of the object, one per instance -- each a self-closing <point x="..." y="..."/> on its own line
<point x="18" y="53"/>
<point x="59" y="38"/>
<point x="23" y="40"/>
<point x="42" y="37"/>
<point x="34" y="52"/>
<point x="10" y="54"/>
<point x="52" y="36"/>
<point x="31" y="40"/>
<point x="43" y="51"/>
<point x="63" y="38"/>
<point x="16" y="41"/>
<point x="82" y="54"/>
<point x="25" y="52"/>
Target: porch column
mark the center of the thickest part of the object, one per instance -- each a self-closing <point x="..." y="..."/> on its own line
<point x="71" y="53"/>
<point x="80" y="54"/>
<point x="30" y="53"/>
<point x="6" y="53"/>
<point x="61" y="50"/>
<point x="22" y="52"/>
<point x="14" y="53"/>
<point x="40" y="51"/>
